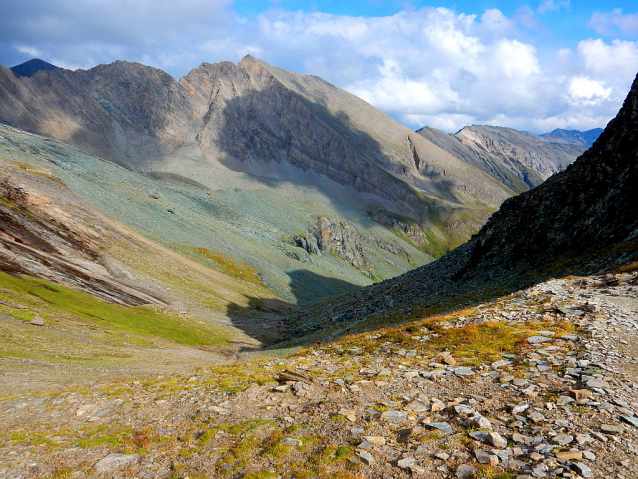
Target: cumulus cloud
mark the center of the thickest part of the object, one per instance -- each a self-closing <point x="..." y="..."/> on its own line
<point x="548" y="5"/>
<point x="614" y="22"/>
<point x="430" y="66"/>
<point x="439" y="68"/>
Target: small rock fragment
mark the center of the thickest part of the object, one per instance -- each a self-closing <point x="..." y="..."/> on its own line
<point x="366" y="457"/>
<point x="406" y="462"/>
<point x="569" y="455"/>
<point x="441" y="426"/>
<point x="481" y="422"/>
<point x="289" y="441"/>
<point x="580" y="394"/>
<point x="630" y="420"/>
<point x="395" y="417"/>
<point x="114" y="461"/>
<point x="482" y="456"/>
<point x="520" y="408"/>
<point x="582" y="469"/>
<point x="496" y="440"/>
<point x="563" y="439"/>
<point x="448" y="359"/>
<point x="611" y="429"/>
<point x="465" y="471"/>
<point x="375" y="440"/>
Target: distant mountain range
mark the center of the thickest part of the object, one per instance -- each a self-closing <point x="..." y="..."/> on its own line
<point x="519" y="159"/>
<point x="586" y="138"/>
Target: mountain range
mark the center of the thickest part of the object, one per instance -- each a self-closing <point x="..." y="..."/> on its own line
<point x="265" y="123"/>
<point x="288" y="187"/>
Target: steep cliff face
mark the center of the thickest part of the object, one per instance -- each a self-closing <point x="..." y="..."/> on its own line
<point x="581" y="221"/>
<point x="339" y="238"/>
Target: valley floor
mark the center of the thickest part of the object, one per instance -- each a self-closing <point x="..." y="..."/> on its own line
<point x="541" y="383"/>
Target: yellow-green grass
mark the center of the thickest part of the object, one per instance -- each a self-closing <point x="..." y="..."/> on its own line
<point x="51" y="300"/>
<point x="476" y="342"/>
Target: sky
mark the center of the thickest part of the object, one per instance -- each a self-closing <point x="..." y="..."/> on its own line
<point x="532" y="65"/>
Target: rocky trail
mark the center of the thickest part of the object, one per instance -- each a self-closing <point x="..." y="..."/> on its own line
<point x="542" y="383"/>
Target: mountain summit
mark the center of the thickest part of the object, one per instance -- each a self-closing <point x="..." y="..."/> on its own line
<point x="31" y="67"/>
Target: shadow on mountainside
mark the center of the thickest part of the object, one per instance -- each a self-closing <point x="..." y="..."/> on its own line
<point x="277" y="133"/>
<point x="266" y="319"/>
<point x="581" y="221"/>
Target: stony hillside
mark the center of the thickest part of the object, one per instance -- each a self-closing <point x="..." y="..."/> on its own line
<point x="227" y="227"/>
<point x="520" y="160"/>
<point x="579" y="221"/>
<point x="537" y="384"/>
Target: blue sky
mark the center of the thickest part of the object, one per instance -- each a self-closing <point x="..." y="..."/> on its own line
<point x="532" y="65"/>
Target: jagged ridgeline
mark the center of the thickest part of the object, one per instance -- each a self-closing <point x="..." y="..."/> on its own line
<point x="269" y="124"/>
<point x="583" y="220"/>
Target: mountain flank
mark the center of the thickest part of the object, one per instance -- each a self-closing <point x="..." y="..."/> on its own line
<point x="583" y="220"/>
<point x="520" y="160"/>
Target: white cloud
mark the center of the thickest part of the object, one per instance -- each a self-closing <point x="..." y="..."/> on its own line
<point x="85" y="32"/>
<point x="614" y="22"/>
<point x="587" y="91"/>
<point x="431" y="66"/>
<point x="438" y="68"/>
<point x="549" y="5"/>
<point x="609" y="61"/>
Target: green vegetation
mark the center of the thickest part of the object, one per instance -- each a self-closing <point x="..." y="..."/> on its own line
<point x="51" y="300"/>
<point x="225" y="264"/>
<point x="472" y="343"/>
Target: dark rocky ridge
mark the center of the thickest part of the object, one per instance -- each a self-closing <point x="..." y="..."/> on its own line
<point x="580" y="221"/>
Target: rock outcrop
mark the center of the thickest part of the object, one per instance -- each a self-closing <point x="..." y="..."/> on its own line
<point x="336" y="237"/>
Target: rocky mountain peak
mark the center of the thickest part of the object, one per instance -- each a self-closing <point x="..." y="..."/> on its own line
<point x="31" y="67"/>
